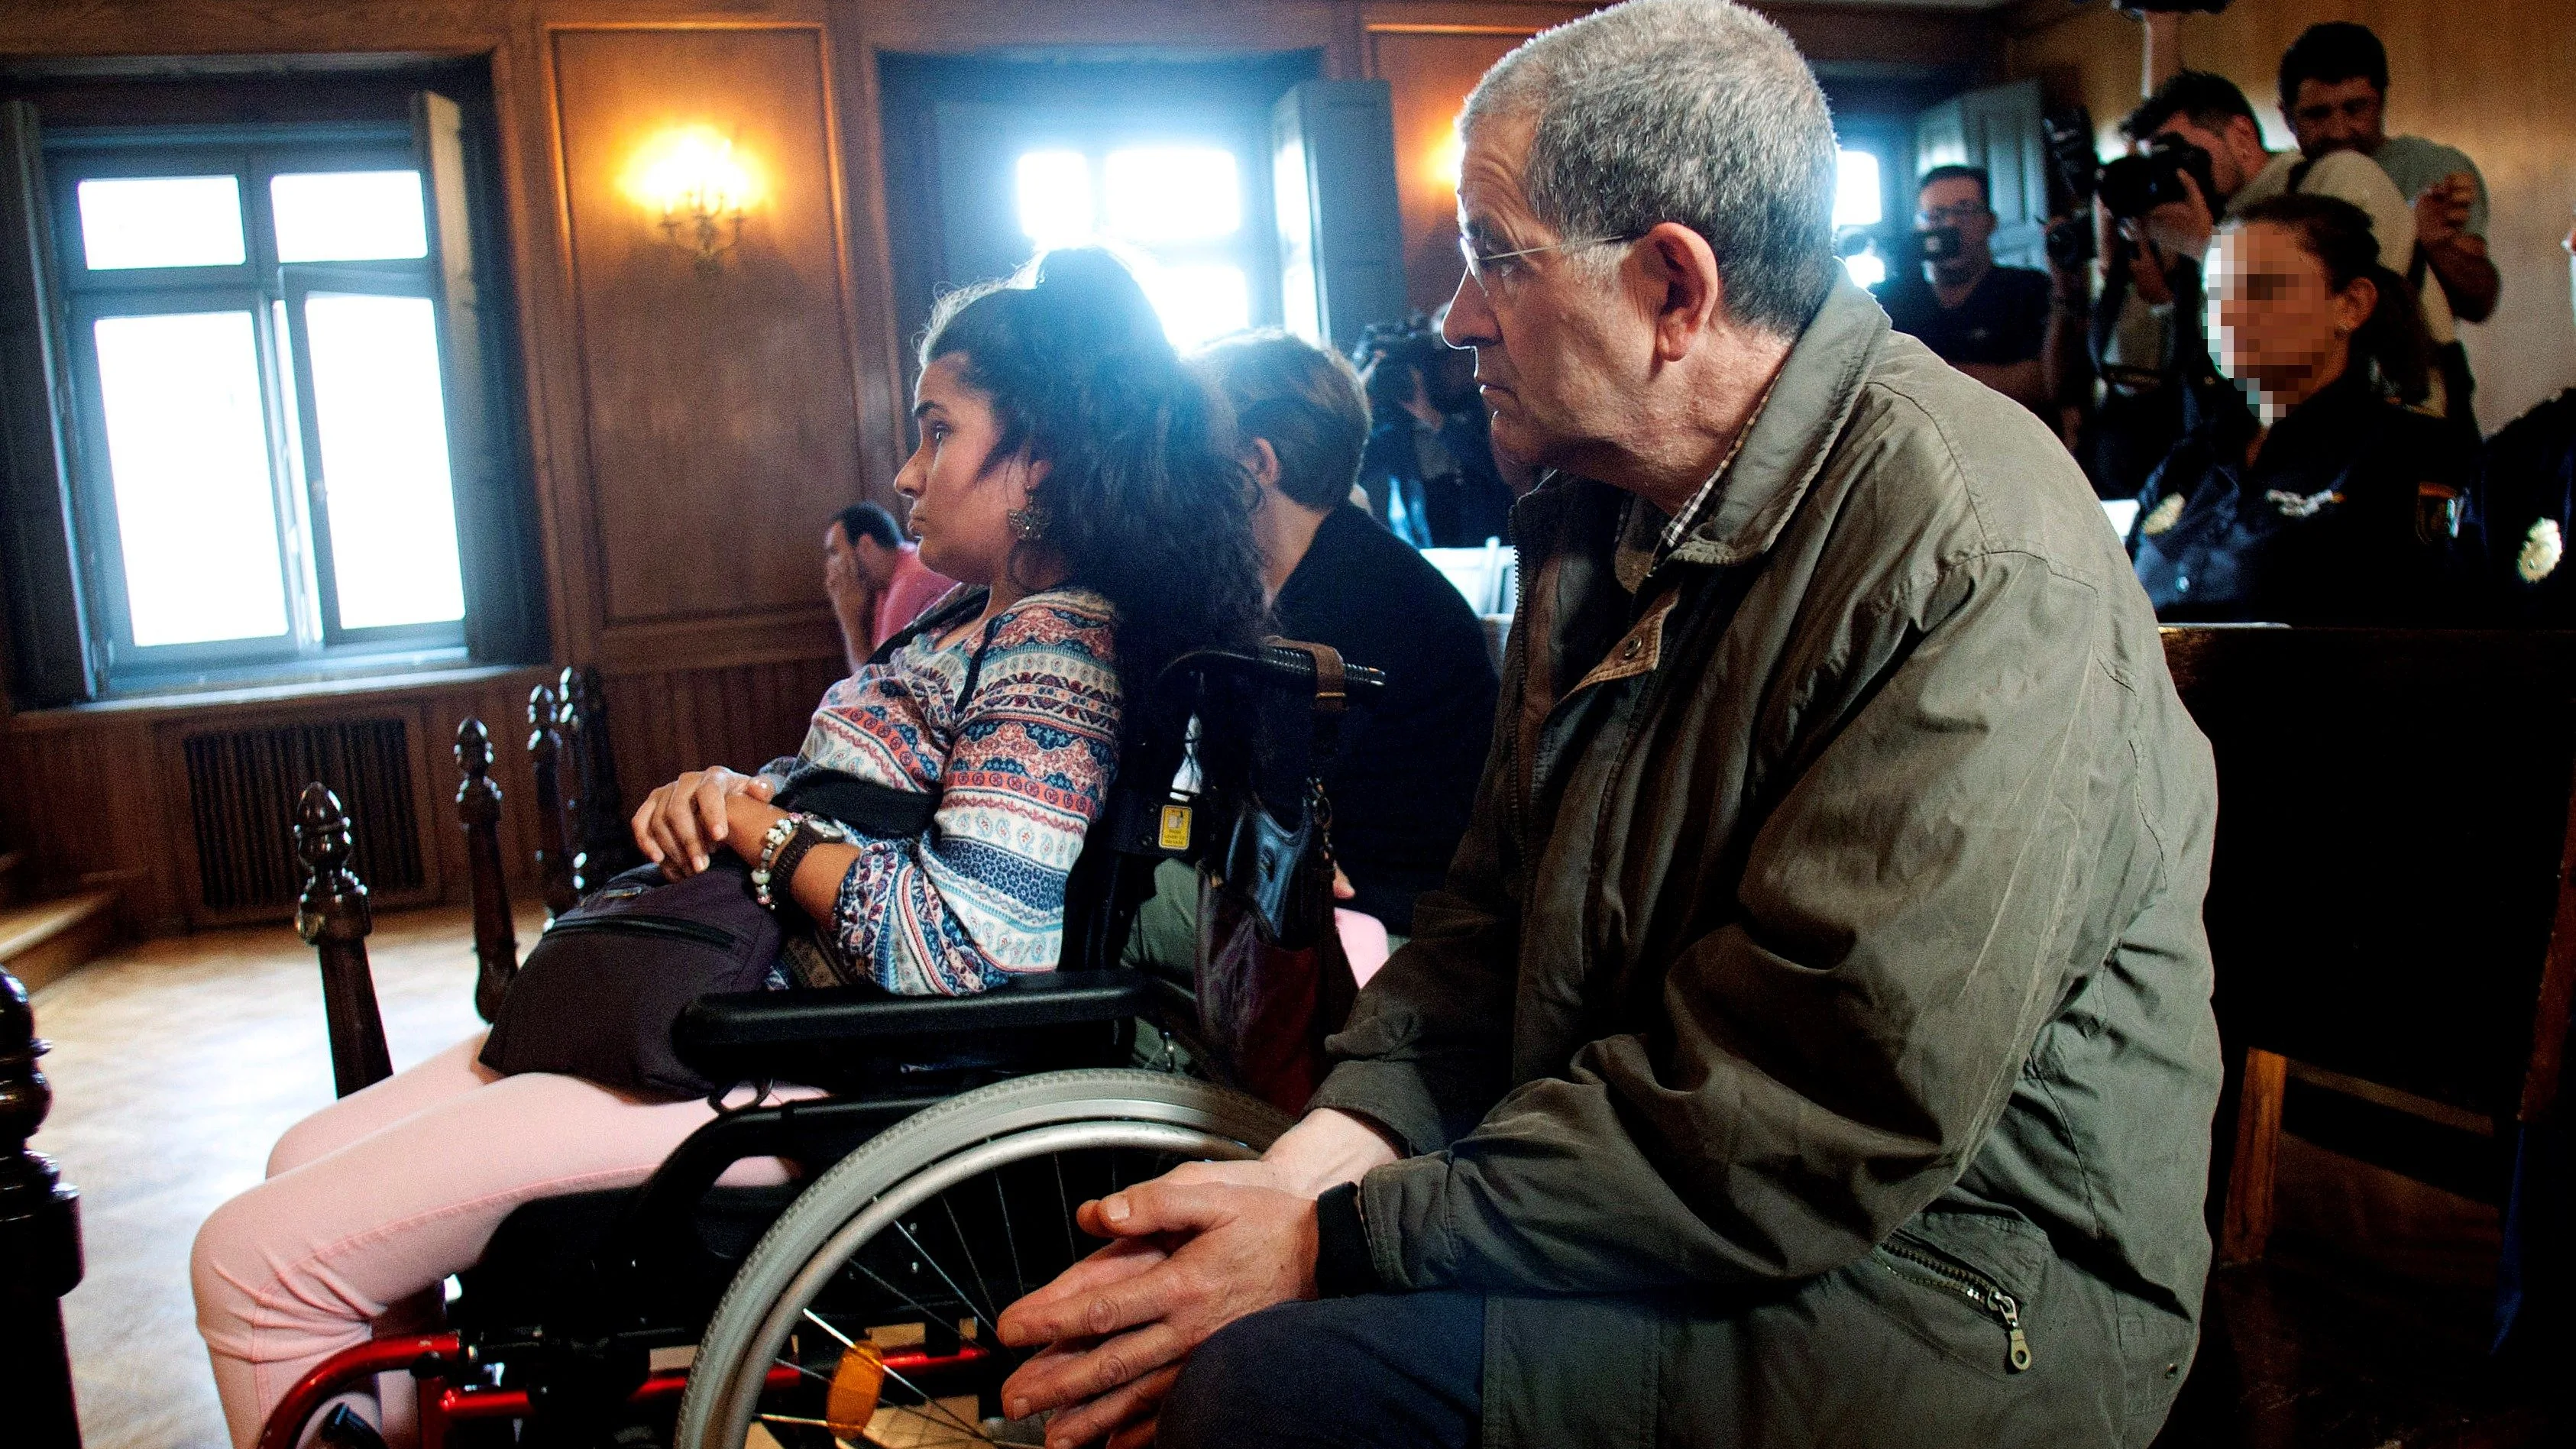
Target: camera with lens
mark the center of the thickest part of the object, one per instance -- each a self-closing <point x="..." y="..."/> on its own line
<point x="2132" y="186"/>
<point x="2069" y="135"/>
<point x="1388" y="352"/>
<point x="1903" y="249"/>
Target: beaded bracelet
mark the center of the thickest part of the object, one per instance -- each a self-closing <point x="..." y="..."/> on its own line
<point x="780" y="831"/>
<point x="810" y="832"/>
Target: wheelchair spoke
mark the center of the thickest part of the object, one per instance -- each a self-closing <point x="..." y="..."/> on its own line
<point x="974" y="1431"/>
<point x="1072" y="1254"/>
<point x="1019" y="1277"/>
<point x="928" y="1315"/>
<point x="816" y="1375"/>
<point x="959" y="1231"/>
<point x="942" y="1270"/>
<point x="920" y="1439"/>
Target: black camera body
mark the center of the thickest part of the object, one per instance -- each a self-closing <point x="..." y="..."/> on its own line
<point x="2071" y="160"/>
<point x="1906" y="249"/>
<point x="2132" y="186"/>
<point x="1388" y="351"/>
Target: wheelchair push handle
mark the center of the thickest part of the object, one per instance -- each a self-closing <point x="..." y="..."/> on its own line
<point x="1280" y="666"/>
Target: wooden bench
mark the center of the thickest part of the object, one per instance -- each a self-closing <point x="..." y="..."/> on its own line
<point x="2389" y="907"/>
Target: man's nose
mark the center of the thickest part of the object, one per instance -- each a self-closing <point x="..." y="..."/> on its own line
<point x="1470" y="319"/>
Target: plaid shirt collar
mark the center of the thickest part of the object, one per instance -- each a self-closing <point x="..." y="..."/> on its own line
<point x="1683" y="522"/>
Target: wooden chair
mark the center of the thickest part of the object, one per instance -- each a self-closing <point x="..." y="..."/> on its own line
<point x="2389" y="904"/>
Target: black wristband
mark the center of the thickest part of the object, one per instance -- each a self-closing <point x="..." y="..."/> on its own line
<point x="1343" y="1266"/>
<point x="782" y="870"/>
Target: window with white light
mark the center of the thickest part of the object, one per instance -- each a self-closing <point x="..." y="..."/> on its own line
<point x="255" y="336"/>
<point x="1860" y="201"/>
<point x="1175" y="211"/>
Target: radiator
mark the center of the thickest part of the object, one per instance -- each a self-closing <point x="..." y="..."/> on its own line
<point x="242" y="786"/>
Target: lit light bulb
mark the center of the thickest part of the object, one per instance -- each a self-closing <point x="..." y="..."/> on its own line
<point x="697" y="185"/>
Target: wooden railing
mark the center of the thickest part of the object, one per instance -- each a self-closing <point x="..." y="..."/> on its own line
<point x="581" y="841"/>
<point x="40" y="1245"/>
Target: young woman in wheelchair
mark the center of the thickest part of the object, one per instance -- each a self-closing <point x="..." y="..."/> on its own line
<point x="1081" y="483"/>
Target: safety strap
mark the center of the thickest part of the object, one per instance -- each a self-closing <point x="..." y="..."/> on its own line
<point x="1331" y="697"/>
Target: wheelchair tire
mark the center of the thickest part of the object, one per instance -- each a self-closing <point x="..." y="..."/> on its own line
<point x="1078" y="1117"/>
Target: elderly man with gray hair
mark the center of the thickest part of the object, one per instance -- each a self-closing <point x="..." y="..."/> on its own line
<point x="1811" y="1043"/>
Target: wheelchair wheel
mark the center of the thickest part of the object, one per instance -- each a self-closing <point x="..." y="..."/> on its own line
<point x="878" y="1289"/>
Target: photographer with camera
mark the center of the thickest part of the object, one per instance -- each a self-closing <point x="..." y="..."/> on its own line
<point x="1988" y="321"/>
<point x="2198" y="157"/>
<point x="2334" y="90"/>
<point x="1429" y="470"/>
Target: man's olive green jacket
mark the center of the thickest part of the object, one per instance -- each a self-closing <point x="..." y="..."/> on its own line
<point x="1812" y="1043"/>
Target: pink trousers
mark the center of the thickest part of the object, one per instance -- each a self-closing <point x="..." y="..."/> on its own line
<point x="373" y="1201"/>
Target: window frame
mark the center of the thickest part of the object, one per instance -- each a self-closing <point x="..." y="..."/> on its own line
<point x="273" y="292"/>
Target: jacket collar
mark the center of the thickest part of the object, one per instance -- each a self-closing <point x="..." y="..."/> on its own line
<point x="1783" y="451"/>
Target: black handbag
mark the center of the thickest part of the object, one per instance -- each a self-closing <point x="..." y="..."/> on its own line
<point x="601" y="990"/>
<point x="1270" y="978"/>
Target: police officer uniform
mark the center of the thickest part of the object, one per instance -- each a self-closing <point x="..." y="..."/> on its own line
<point x="2351" y="513"/>
<point x="2526" y="506"/>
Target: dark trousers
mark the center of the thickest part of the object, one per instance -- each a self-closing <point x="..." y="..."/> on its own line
<point x="1398" y="1370"/>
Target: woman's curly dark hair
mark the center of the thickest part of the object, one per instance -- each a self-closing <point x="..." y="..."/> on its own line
<point x="1145" y="498"/>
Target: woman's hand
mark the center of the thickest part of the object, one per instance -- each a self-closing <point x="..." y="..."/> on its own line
<point x="680" y="823"/>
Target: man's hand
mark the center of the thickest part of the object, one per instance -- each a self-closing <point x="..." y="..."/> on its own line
<point x="2442" y="212"/>
<point x="2182" y="228"/>
<point x="2149" y="276"/>
<point x="1189" y="1256"/>
<point x="2457" y="255"/>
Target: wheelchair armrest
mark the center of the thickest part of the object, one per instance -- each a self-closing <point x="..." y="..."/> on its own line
<point x="729" y="1029"/>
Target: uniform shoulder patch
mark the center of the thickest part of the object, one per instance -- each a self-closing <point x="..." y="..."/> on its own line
<point x="2542" y="548"/>
<point x="2166" y="513"/>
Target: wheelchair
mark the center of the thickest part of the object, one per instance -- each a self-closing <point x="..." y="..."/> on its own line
<point x="942" y="1166"/>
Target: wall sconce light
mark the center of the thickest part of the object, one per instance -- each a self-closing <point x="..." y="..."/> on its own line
<point x="693" y="181"/>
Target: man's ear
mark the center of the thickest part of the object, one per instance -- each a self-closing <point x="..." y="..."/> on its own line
<point x="1683" y="292"/>
<point x="1263" y="462"/>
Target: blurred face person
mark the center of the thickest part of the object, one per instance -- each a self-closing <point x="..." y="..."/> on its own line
<point x="2277" y="323"/>
<point x="1958" y="201"/>
<point x="962" y="496"/>
<point x="2344" y="115"/>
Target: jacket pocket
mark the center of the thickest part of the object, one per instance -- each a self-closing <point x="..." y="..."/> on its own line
<point x="1978" y="1316"/>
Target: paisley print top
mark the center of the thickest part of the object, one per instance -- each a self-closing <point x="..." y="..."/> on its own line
<point x="1023" y="768"/>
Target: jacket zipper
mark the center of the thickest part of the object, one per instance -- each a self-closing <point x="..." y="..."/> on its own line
<point x="1921" y="1266"/>
<point x="697" y="931"/>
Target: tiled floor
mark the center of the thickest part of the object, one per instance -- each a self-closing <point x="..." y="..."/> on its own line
<point x="176" y="1064"/>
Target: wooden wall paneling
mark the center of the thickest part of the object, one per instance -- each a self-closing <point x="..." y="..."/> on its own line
<point x="88" y="810"/>
<point x="722" y="422"/>
<point x="1161" y="29"/>
<point x="878" y="353"/>
<point x="104" y="795"/>
<point x="1429" y="69"/>
<point x="2496" y="88"/>
<point x="161" y="28"/>
<point x="742" y="716"/>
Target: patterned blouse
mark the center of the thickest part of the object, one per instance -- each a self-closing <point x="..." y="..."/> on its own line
<point x="1024" y="768"/>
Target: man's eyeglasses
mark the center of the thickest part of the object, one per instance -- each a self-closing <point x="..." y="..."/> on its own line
<point x="1952" y="215"/>
<point x="1480" y="265"/>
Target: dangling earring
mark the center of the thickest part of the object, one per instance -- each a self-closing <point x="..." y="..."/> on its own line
<point x="1027" y="524"/>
